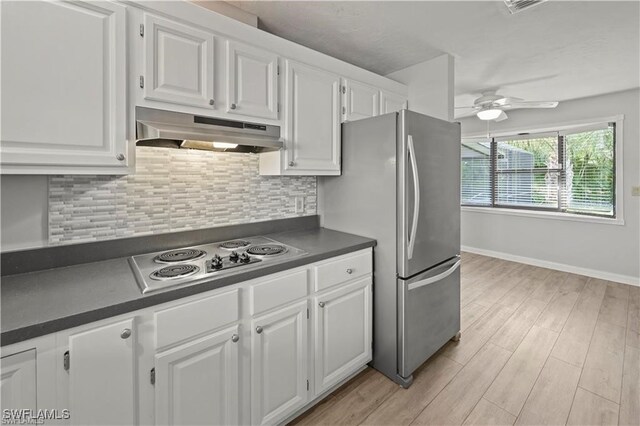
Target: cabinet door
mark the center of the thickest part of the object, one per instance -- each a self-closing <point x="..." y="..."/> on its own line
<point x="63" y="86"/>
<point x="391" y="102"/>
<point x="361" y="101"/>
<point x="197" y="383"/>
<point x="102" y="375"/>
<point x="279" y="382"/>
<point x="312" y="121"/>
<point x="252" y="81"/>
<point x="18" y="381"/>
<point x="342" y="322"/>
<point x="179" y="63"/>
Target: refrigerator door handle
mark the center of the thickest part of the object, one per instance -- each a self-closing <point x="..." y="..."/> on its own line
<point x="438" y="277"/>
<point x="416" y="197"/>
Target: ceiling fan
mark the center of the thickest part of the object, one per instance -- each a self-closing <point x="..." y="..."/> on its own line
<point x="491" y="106"/>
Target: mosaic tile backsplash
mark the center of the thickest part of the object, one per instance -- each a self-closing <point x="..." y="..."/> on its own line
<point x="172" y="190"/>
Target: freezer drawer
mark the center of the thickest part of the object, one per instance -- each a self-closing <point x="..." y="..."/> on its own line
<point x="429" y="314"/>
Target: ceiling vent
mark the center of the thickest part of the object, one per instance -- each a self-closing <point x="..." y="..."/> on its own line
<point x="516" y="6"/>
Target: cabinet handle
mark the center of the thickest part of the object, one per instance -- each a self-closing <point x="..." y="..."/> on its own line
<point x="233" y="106"/>
<point x="291" y="164"/>
<point x="120" y="157"/>
<point x="125" y="333"/>
<point x="235" y="338"/>
<point x="211" y="102"/>
<point x="349" y="271"/>
<point x="258" y="329"/>
<point x="321" y="304"/>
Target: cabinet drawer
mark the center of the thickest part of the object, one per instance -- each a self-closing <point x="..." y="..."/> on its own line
<point x="193" y="318"/>
<point x="278" y="291"/>
<point x="342" y="269"/>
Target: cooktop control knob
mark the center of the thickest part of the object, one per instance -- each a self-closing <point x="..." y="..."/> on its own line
<point x="233" y="256"/>
<point x="244" y="258"/>
<point x="217" y="257"/>
<point x="216" y="263"/>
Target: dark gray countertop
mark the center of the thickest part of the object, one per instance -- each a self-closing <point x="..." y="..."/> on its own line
<point x="43" y="302"/>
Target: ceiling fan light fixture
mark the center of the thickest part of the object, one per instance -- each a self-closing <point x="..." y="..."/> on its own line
<point x="489" y="114"/>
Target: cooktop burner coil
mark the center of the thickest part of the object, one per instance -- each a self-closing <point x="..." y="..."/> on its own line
<point x="174" y="271"/>
<point x="180" y="255"/>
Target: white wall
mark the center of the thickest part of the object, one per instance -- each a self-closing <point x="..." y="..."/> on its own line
<point x="23" y="212"/>
<point x="430" y="86"/>
<point x="601" y="250"/>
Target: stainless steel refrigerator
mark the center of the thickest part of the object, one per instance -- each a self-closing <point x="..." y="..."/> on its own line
<point x="400" y="184"/>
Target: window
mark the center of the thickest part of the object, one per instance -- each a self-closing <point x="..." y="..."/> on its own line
<point x="571" y="171"/>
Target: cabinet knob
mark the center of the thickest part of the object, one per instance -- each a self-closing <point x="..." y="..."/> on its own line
<point x="120" y="157"/>
<point x="291" y="164"/>
<point x="349" y="271"/>
<point x="258" y="329"/>
<point x="321" y="304"/>
<point x="125" y="333"/>
<point x="235" y="338"/>
<point x="233" y="106"/>
<point x="211" y="102"/>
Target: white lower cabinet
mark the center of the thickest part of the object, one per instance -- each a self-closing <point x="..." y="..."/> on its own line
<point x="257" y="352"/>
<point x="102" y="388"/>
<point x="342" y="329"/>
<point x="198" y="383"/>
<point x="18" y="381"/>
<point x="279" y="369"/>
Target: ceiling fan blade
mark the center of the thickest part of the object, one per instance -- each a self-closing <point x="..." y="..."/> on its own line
<point x="534" y="104"/>
<point x="508" y="101"/>
<point x="503" y="116"/>
<point x="469" y="107"/>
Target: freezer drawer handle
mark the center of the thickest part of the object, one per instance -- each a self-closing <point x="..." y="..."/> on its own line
<point x="438" y="277"/>
<point x="416" y="197"/>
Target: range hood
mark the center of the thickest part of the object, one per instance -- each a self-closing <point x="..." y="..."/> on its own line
<point x="170" y="129"/>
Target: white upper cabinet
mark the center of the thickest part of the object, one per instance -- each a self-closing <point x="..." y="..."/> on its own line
<point x="18" y="381"/>
<point x="252" y="81"/>
<point x="101" y="375"/>
<point x="360" y="101"/>
<point x="198" y="383"/>
<point x="391" y="102"/>
<point x="63" y="87"/>
<point x="178" y="63"/>
<point x="342" y="323"/>
<point x="279" y="358"/>
<point x="312" y="124"/>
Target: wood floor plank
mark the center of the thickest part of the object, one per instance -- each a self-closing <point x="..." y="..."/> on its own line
<point x="602" y="371"/>
<point x="573" y="343"/>
<point x="614" y="305"/>
<point x="470" y="314"/>
<point x="514" y="383"/>
<point x="630" y="398"/>
<point x="477" y="335"/>
<point x="518" y="325"/>
<point x="356" y="405"/>
<point x="319" y="411"/>
<point x="460" y="396"/>
<point x="486" y="413"/>
<point x="514" y="298"/>
<point x="591" y="409"/>
<point x="549" y="286"/>
<point x="550" y="400"/>
<point x="557" y="311"/>
<point x="403" y="406"/>
<point x="498" y="289"/>
<point x="573" y="283"/>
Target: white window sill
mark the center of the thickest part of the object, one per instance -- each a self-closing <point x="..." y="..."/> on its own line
<point x="544" y="215"/>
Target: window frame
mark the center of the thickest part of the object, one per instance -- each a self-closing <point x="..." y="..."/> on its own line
<point x="560" y="129"/>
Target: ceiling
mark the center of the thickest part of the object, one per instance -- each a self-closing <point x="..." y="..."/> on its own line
<point x="558" y="50"/>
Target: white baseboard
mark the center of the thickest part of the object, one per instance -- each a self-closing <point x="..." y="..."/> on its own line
<point x="603" y="275"/>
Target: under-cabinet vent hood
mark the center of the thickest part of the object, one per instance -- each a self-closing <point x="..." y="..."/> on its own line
<point x="170" y="129"/>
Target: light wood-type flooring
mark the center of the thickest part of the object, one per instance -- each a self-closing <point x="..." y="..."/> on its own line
<point x="538" y="347"/>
